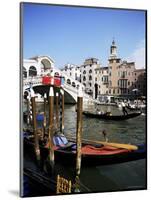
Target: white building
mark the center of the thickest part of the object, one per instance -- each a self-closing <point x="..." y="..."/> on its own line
<point x="72" y="71"/>
<point x="88" y="75"/>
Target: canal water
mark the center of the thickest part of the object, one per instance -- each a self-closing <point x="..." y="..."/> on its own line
<point x="125" y="176"/>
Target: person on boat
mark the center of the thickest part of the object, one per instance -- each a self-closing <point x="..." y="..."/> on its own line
<point x="104" y="133"/>
<point x="128" y="103"/>
<point x="124" y="108"/>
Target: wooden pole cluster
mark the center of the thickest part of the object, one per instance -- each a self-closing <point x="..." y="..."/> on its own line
<point x="79" y="132"/>
<point x="36" y="139"/>
<point x="61" y="111"/>
<point x="51" y="126"/>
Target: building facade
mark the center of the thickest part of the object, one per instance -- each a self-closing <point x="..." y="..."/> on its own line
<point x="119" y="78"/>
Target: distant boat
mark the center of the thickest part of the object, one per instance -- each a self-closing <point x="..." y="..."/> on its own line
<point x="109" y="116"/>
<point x="135" y="107"/>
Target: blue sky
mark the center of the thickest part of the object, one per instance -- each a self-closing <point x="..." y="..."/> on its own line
<point x="72" y="34"/>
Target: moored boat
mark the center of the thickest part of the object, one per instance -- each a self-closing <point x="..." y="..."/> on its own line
<point x="92" y="154"/>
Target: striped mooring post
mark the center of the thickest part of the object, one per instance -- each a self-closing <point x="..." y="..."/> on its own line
<point x="51" y="126"/>
<point x="61" y="100"/>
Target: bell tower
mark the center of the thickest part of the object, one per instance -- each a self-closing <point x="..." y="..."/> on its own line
<point x="113" y="50"/>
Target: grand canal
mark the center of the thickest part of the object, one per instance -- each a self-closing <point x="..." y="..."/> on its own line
<point x="125" y="176"/>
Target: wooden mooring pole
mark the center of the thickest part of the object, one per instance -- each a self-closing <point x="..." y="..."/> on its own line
<point x="51" y="126"/>
<point x="61" y="110"/>
<point x="28" y="112"/>
<point x="44" y="122"/>
<point x="57" y="111"/>
<point x="79" y="136"/>
<point x="36" y="139"/>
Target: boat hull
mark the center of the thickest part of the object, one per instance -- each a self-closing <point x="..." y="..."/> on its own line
<point x="111" y="117"/>
<point x="67" y="155"/>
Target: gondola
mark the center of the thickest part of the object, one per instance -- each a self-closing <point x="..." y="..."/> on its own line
<point x="106" y="116"/>
<point x="92" y="154"/>
<point x="133" y="108"/>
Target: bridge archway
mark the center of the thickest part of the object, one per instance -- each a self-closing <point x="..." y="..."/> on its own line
<point x="46" y="64"/>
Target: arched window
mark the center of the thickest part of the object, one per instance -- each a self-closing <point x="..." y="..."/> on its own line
<point x="84" y="79"/>
<point x="56" y="74"/>
<point x="68" y="81"/>
<point x="90" y="78"/>
<point x="73" y="84"/>
<point x="32" y="71"/>
<point x="24" y="72"/>
<point x="84" y="72"/>
<point x="90" y="71"/>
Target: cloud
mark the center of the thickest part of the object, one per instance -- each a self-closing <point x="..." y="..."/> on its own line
<point x="138" y="55"/>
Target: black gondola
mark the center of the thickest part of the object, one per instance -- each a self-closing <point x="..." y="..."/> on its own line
<point x="92" y="154"/>
<point x="111" y="117"/>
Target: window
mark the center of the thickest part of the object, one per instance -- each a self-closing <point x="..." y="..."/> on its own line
<point x="95" y="79"/>
<point x="90" y="78"/>
<point x="114" y="91"/>
<point x="128" y="83"/>
<point x="68" y="81"/>
<point x="84" y="72"/>
<point x="56" y="74"/>
<point x="90" y="84"/>
<point x="84" y="79"/>
<point x="90" y="71"/>
<point x="32" y="71"/>
<point x="76" y="76"/>
<point x="73" y="84"/>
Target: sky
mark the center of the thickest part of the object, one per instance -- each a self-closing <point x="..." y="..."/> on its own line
<point x="73" y="34"/>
